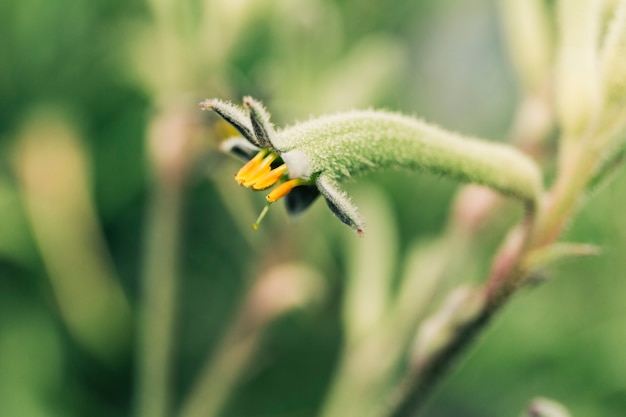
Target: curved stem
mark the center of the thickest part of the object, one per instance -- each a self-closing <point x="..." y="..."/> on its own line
<point x="425" y="380"/>
<point x="507" y="274"/>
<point x="505" y="278"/>
<point x="348" y="144"/>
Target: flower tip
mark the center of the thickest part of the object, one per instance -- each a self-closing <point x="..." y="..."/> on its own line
<point x="360" y="232"/>
<point x="240" y="180"/>
<point x="206" y="105"/>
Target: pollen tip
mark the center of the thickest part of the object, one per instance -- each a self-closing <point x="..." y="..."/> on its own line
<point x="206" y="105"/>
<point x="282" y="190"/>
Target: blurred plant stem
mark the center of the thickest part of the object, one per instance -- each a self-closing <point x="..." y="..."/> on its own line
<point x="169" y="140"/>
<point x="379" y="321"/>
<point x="52" y="169"/>
<point x="219" y="375"/>
<point x="279" y="290"/>
<point x="170" y="57"/>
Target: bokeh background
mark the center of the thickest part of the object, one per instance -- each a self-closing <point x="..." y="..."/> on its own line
<point x="111" y="187"/>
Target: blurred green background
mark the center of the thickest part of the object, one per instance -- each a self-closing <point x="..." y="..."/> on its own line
<point x="90" y="196"/>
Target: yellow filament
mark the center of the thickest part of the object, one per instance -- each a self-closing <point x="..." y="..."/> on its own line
<point x="282" y="190"/>
<point x="261" y="170"/>
<point x="270" y="178"/>
<point x="249" y="167"/>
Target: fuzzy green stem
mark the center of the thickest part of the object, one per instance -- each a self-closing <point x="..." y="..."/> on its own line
<point x="348" y="144"/>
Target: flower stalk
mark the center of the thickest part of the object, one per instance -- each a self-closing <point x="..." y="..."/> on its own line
<point x="314" y="157"/>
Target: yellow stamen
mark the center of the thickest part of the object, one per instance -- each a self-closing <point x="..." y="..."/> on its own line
<point x="262" y="169"/>
<point x="250" y="166"/>
<point x="283" y="189"/>
<point x="270" y="178"/>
